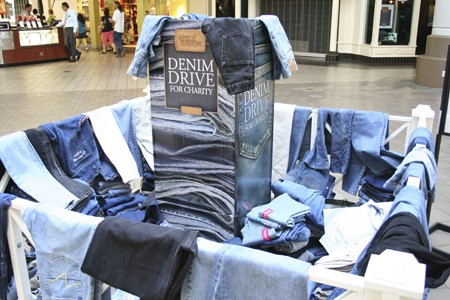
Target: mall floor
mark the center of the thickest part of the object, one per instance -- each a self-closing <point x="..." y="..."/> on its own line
<point x="34" y="94"/>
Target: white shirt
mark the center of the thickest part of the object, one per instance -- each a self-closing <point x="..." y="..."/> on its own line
<point x="69" y="20"/>
<point x="119" y="19"/>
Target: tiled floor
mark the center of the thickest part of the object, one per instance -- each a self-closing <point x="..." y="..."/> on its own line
<point x="35" y="94"/>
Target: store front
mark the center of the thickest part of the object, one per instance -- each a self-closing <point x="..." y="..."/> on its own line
<point x="371" y="31"/>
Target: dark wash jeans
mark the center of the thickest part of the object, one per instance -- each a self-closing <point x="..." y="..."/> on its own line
<point x="75" y="147"/>
<point x="233" y="48"/>
<point x="43" y="147"/>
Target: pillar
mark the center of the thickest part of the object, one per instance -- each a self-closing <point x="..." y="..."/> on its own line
<point x="430" y="66"/>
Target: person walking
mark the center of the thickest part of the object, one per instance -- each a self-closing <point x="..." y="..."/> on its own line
<point x="119" y="26"/>
<point x="82" y="34"/>
<point x="106" y="28"/>
<point x="70" y="25"/>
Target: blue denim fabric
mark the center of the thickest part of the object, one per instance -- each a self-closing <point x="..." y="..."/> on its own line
<point x="280" y="44"/>
<point x="232" y="44"/>
<point x="124" y="114"/>
<point x="115" y="201"/>
<point x="420" y="155"/>
<point x="282" y="210"/>
<point x="29" y="173"/>
<point x="298" y="233"/>
<point x="194" y="17"/>
<point x="341" y="128"/>
<point x="117" y="37"/>
<point x="317" y="157"/>
<point x="43" y="147"/>
<point x="133" y="204"/>
<point x="421" y="135"/>
<point x="302" y="194"/>
<point x="5" y="263"/>
<point x="317" y="179"/>
<point x="299" y="124"/>
<point x="58" y="260"/>
<point x="368" y="133"/>
<point x="235" y="272"/>
<point x="144" y="50"/>
<point x="372" y="188"/>
<point x="75" y="147"/>
<point x="91" y="208"/>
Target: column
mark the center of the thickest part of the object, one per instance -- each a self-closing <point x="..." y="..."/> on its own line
<point x="376" y="23"/>
<point x="429" y="67"/>
<point x="334" y="25"/>
<point x="441" y="19"/>
<point x="94" y="20"/>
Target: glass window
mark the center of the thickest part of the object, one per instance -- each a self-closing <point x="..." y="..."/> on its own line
<point x="395" y="22"/>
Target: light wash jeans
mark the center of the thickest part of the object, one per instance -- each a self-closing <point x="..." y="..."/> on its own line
<point x="29" y="172"/>
<point x="224" y="271"/>
<point x="280" y="43"/>
<point x="60" y="255"/>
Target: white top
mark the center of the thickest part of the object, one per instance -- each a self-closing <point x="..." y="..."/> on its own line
<point x="119" y="21"/>
<point x="69" y="20"/>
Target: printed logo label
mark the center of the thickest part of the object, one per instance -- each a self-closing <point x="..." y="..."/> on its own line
<point x="265" y="234"/>
<point x="265" y="214"/>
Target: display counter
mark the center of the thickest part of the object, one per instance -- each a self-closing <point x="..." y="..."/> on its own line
<point x="19" y="46"/>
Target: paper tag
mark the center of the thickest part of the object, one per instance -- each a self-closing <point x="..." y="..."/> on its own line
<point x="190" y="40"/>
<point x="191" y="110"/>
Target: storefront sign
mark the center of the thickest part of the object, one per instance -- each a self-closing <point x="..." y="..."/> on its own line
<point x="190" y="79"/>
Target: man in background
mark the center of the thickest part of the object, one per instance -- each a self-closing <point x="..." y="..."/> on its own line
<point x="70" y="24"/>
<point x="27" y="11"/>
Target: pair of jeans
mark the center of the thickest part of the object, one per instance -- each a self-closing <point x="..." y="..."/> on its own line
<point x="283" y="210"/>
<point x="281" y="45"/>
<point x="313" y="178"/>
<point x="150" y="29"/>
<point x="125" y="116"/>
<point x="372" y="188"/>
<point x="421" y="155"/>
<point x="232" y="44"/>
<point x="75" y="146"/>
<point x="152" y="260"/>
<point x="369" y="130"/>
<point x="313" y="198"/>
<point x="43" y="147"/>
<point x="142" y="111"/>
<point x="59" y="261"/>
<point x="5" y="260"/>
<point x="29" y="172"/>
<point x="225" y="271"/>
<point x="117" y="37"/>
<point x="298" y="135"/>
<point x="340" y="141"/>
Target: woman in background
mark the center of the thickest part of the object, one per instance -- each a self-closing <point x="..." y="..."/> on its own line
<point x="106" y="28"/>
<point x="82" y="34"/>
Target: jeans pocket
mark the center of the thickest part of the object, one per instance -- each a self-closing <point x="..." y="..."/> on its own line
<point x="63" y="278"/>
<point x="231" y="43"/>
<point x="80" y="152"/>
